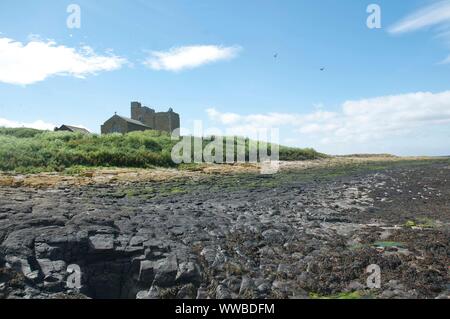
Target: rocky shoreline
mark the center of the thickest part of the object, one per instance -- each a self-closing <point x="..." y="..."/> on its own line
<point x="296" y="234"/>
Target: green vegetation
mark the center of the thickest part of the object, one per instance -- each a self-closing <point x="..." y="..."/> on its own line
<point x="342" y="295"/>
<point x="421" y="223"/>
<point x="28" y="150"/>
<point x="410" y="224"/>
<point x="388" y="244"/>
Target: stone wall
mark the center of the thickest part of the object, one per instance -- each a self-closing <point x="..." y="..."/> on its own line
<point x="119" y="125"/>
<point x="114" y="125"/>
<point x="166" y="121"/>
<point x="160" y="121"/>
<point x="143" y="114"/>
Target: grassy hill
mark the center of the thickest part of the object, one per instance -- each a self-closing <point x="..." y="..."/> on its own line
<point x="30" y="150"/>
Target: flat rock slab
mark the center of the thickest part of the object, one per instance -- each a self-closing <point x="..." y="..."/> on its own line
<point x="101" y="242"/>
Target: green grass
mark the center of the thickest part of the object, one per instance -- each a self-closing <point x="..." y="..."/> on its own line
<point x="28" y="150"/>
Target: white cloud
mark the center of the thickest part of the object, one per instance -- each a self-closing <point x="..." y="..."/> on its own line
<point x="431" y="15"/>
<point x="188" y="57"/>
<point x="435" y="16"/>
<point x="359" y="121"/>
<point x="39" y="124"/>
<point x="383" y="117"/>
<point x="225" y="118"/>
<point x="37" y="60"/>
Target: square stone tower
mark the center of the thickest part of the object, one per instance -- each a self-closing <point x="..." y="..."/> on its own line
<point x="167" y="121"/>
<point x="160" y="121"/>
<point x="143" y="114"/>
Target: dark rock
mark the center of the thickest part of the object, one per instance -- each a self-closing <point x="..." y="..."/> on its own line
<point x="166" y="271"/>
<point x="45" y="251"/>
<point x="53" y="271"/>
<point x="146" y="272"/>
<point x="188" y="272"/>
<point x="154" y="292"/>
<point x="187" y="292"/>
<point x="264" y="288"/>
<point x="247" y="287"/>
<point x="101" y="242"/>
<point x="246" y="234"/>
<point x="202" y="293"/>
<point x="273" y="236"/>
<point x="222" y="292"/>
<point x="233" y="283"/>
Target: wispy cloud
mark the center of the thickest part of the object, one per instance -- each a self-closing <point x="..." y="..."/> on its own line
<point x="39" y="124"/>
<point x="358" y="121"/>
<point x="446" y="60"/>
<point x="435" y="16"/>
<point x="431" y="15"/>
<point x="189" y="57"/>
<point x="37" y="60"/>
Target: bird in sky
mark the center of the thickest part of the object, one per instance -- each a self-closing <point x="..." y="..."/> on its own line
<point x="275" y="55"/>
<point x="322" y="69"/>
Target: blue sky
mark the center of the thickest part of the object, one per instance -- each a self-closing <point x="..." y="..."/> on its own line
<point x="382" y="90"/>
